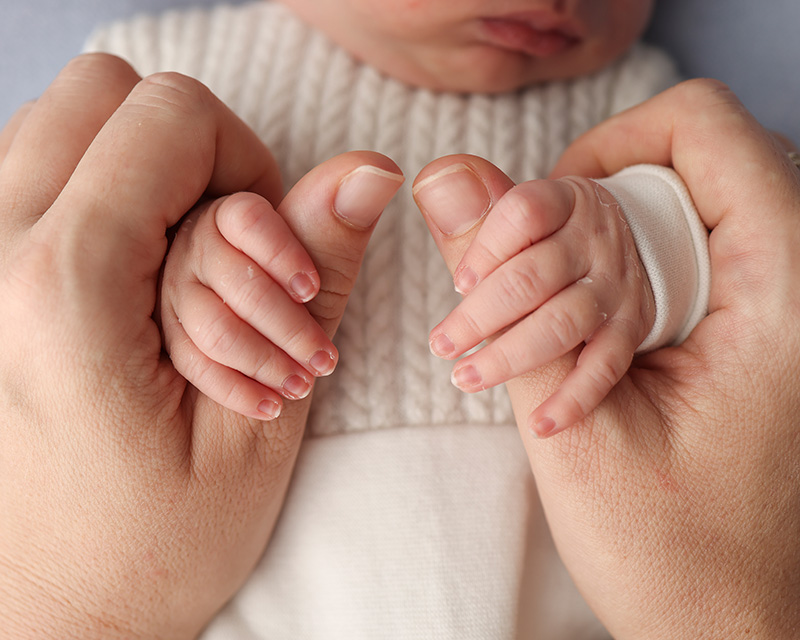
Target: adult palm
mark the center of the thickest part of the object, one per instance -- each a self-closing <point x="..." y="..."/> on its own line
<point x="676" y="505"/>
<point x="132" y="505"/>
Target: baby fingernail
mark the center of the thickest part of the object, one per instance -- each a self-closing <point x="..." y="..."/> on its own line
<point x="296" y="387"/>
<point x="323" y="363"/>
<point x="442" y="345"/>
<point x="467" y="378"/>
<point x="465" y="280"/>
<point x="454" y="198"/>
<point x="364" y="193"/>
<point x="543" y="427"/>
<point x="269" y="409"/>
<point x="303" y="287"/>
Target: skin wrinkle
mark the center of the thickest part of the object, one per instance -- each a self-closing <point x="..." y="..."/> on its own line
<point x="632" y="261"/>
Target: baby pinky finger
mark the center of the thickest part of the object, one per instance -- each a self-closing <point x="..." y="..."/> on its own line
<point x="601" y="365"/>
<point x="227" y="387"/>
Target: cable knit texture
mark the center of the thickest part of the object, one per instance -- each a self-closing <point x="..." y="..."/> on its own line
<point x="310" y="100"/>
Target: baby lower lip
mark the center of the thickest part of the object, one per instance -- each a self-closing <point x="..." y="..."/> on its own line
<point x="517" y="35"/>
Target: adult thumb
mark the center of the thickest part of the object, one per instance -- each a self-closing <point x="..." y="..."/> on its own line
<point x="454" y="194"/>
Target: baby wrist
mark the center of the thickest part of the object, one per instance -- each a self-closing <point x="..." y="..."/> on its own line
<point x="672" y="243"/>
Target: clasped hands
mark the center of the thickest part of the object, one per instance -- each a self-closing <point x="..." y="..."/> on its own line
<point x="135" y="504"/>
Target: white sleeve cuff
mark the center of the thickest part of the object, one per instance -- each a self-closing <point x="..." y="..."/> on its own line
<point x="672" y="242"/>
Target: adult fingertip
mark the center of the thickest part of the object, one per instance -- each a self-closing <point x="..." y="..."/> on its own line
<point x="364" y="193"/>
<point x="454" y="198"/>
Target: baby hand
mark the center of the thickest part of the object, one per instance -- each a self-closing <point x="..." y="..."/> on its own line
<point x="552" y="268"/>
<point x="232" y="307"/>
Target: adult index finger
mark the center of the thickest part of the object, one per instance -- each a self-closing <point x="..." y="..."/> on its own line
<point x="703" y="131"/>
<point x="58" y="129"/>
<point x="9" y="131"/>
<point x="169" y="143"/>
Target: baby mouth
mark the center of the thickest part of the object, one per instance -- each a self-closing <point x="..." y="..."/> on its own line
<point x="531" y="36"/>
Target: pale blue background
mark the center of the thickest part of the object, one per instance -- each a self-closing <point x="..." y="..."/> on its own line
<point x="752" y="45"/>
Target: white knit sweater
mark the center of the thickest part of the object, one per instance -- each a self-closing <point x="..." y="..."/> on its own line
<point x="416" y="515"/>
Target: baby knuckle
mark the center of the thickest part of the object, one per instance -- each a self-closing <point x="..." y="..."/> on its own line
<point x="240" y="212"/>
<point x="471" y="326"/>
<point x="195" y="370"/>
<point x="604" y="374"/>
<point x="520" y="287"/>
<point x="262" y="368"/>
<point x="509" y="360"/>
<point x="281" y="254"/>
<point x="578" y="406"/>
<point x="519" y="212"/>
<point x="242" y="208"/>
<point x="220" y="335"/>
<point x="295" y="337"/>
<point x="559" y="327"/>
<point x="255" y="292"/>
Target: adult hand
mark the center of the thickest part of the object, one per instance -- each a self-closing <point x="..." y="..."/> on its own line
<point x="676" y="504"/>
<point x="132" y="506"/>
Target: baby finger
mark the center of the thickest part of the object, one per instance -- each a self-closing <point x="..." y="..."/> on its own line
<point x="557" y="327"/>
<point x="525" y="215"/>
<point x="225" y="338"/>
<point x="225" y="386"/>
<point x="601" y="365"/>
<point x="250" y="223"/>
<point x="510" y="293"/>
<point x="257" y="299"/>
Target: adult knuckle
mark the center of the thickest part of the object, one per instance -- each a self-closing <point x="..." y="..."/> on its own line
<point x="337" y="282"/>
<point x="701" y="94"/>
<point x="704" y="87"/>
<point x="96" y="67"/>
<point x="174" y="92"/>
<point x="329" y="305"/>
